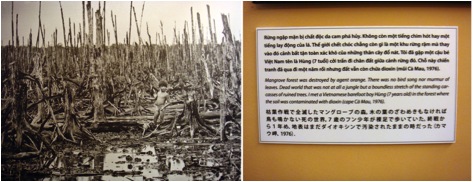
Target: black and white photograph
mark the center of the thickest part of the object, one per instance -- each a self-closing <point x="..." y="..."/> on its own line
<point x="120" y="90"/>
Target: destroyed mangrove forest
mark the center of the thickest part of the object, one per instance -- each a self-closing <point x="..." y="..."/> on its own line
<point x="90" y="105"/>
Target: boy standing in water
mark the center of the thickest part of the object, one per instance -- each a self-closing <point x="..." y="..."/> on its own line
<point x="161" y="99"/>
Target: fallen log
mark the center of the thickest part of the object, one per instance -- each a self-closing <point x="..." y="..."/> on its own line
<point x="22" y="155"/>
<point x="210" y="114"/>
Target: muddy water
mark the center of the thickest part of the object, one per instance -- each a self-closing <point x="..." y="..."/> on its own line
<point x="125" y="158"/>
<point x="131" y="160"/>
<point x="142" y="162"/>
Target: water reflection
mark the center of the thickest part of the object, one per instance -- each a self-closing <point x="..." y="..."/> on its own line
<point x="180" y="177"/>
<point x="142" y="162"/>
<point x="175" y="163"/>
<point x="122" y="178"/>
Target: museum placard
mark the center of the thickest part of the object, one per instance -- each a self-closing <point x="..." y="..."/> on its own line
<point x="357" y="85"/>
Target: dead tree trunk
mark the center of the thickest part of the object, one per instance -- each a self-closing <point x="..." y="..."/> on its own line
<point x="69" y="127"/>
<point x="210" y="25"/>
<point x="189" y="119"/>
<point x="12" y="26"/>
<point x="96" y="72"/>
<point x="84" y="36"/>
<point x="90" y="17"/>
<point x="129" y="28"/>
<point x="19" y="103"/>
<point x="72" y="127"/>
<point x="137" y="27"/>
<point x="196" y="122"/>
<point x="38" y="73"/>
<point x="224" y="80"/>
<point x="63" y="26"/>
<point x="104" y="22"/>
<point x="99" y="41"/>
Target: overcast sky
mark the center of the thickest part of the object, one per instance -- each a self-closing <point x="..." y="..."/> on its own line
<point x="172" y="14"/>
